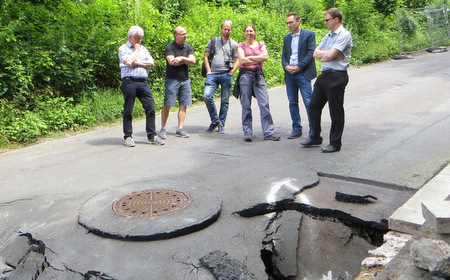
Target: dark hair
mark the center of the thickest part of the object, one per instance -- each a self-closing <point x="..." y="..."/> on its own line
<point x="295" y="15"/>
<point x="251" y="25"/>
<point x="334" y="13"/>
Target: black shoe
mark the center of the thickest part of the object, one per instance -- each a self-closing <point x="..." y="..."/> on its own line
<point x="212" y="127"/>
<point x="311" y="142"/>
<point x="295" y="133"/>
<point x="331" y="149"/>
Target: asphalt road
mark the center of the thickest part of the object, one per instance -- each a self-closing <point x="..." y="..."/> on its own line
<point x="396" y="133"/>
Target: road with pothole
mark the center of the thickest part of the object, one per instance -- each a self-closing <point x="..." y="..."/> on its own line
<point x="395" y="139"/>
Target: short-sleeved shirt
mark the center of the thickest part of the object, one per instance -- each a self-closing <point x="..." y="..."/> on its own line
<point x="134" y="72"/>
<point x="341" y="40"/>
<point x="248" y="51"/>
<point x="224" y="55"/>
<point x="178" y="72"/>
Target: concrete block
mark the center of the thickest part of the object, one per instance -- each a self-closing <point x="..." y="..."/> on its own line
<point x="437" y="214"/>
<point x="406" y="219"/>
<point x="409" y="217"/>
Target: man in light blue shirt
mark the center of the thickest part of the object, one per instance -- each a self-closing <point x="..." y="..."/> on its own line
<point x="333" y="52"/>
<point x="134" y="63"/>
<point x="299" y="69"/>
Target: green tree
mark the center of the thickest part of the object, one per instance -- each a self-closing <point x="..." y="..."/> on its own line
<point x="359" y="16"/>
<point x="386" y="7"/>
<point x="310" y="11"/>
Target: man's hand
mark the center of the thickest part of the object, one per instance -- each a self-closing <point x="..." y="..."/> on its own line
<point x="132" y="60"/>
<point x="176" y="61"/>
<point x="180" y="60"/>
<point x="292" y="69"/>
<point x="329" y="55"/>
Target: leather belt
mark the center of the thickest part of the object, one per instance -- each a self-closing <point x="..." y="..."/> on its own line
<point x="134" y="79"/>
<point x="333" y="71"/>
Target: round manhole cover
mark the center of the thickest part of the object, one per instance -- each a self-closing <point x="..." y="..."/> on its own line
<point x="151" y="203"/>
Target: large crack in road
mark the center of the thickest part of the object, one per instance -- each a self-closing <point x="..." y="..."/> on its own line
<point x="25" y="258"/>
<point x="356" y="206"/>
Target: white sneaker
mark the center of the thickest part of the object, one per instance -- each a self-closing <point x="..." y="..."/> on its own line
<point x="163" y="133"/>
<point x="181" y="133"/>
<point x="156" y="140"/>
<point x="129" y="142"/>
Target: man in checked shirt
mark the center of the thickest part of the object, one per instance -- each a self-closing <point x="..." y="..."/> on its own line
<point x="134" y="63"/>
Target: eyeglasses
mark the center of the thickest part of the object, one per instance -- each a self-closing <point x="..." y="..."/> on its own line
<point x="327" y="19"/>
<point x="182" y="34"/>
<point x="290" y="22"/>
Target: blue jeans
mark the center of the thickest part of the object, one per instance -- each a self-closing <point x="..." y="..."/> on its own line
<point x="213" y="80"/>
<point x="293" y="84"/>
<point x="255" y="84"/>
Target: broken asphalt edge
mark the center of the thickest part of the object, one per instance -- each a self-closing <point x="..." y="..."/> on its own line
<point x="98" y="217"/>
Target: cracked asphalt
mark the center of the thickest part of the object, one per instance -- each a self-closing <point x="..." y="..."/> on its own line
<point x="396" y="134"/>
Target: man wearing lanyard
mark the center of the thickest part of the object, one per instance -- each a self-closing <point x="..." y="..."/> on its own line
<point x="220" y="72"/>
<point x="134" y="63"/>
<point x="300" y="68"/>
<point x="334" y="52"/>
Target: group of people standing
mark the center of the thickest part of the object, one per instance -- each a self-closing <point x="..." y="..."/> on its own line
<point x="223" y="57"/>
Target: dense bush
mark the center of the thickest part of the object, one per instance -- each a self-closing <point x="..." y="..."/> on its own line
<point x="415" y="3"/>
<point x="360" y="17"/>
<point x="43" y="118"/>
<point x="311" y="11"/>
<point x="59" y="64"/>
<point x="386" y="7"/>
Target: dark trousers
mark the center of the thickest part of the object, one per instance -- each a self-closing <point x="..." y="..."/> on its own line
<point x="329" y="87"/>
<point x="141" y="90"/>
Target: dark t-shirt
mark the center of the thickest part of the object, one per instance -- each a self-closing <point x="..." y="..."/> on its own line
<point x="178" y="72"/>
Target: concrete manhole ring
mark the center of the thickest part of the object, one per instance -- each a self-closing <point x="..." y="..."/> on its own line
<point x="195" y="208"/>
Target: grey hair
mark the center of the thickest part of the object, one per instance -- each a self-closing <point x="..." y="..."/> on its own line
<point x="227" y="22"/>
<point x="135" y="30"/>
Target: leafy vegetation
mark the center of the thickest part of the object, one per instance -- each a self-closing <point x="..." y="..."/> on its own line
<point x="59" y="64"/>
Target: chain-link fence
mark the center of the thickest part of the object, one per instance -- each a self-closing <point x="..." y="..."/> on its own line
<point x="420" y="29"/>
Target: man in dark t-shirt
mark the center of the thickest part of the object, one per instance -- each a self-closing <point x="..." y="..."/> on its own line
<point x="179" y="56"/>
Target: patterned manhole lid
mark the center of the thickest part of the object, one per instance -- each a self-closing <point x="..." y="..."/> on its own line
<point x="151" y="203"/>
